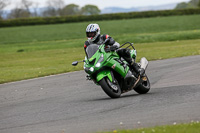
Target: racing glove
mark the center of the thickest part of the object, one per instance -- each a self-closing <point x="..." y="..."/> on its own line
<point x="111" y="48"/>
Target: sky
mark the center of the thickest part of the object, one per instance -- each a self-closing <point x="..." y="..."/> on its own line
<point x="105" y="3"/>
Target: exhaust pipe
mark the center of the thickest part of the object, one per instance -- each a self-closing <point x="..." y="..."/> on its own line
<point x="144" y="63"/>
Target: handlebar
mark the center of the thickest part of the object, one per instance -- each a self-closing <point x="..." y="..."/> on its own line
<point x="131" y="44"/>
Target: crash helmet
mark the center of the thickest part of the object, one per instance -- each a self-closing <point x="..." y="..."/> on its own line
<point x="92" y="32"/>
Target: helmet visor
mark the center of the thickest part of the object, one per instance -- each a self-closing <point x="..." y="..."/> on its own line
<point x="91" y="34"/>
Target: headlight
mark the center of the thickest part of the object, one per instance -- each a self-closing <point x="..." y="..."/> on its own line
<point x="91" y="69"/>
<point x="98" y="65"/>
<point x="101" y="59"/>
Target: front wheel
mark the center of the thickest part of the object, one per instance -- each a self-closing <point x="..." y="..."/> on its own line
<point x="111" y="89"/>
<point x="144" y="87"/>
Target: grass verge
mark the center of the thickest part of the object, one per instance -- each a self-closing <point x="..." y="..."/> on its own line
<point x="193" y="127"/>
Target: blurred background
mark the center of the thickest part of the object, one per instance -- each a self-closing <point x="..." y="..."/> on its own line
<point x="10" y="9"/>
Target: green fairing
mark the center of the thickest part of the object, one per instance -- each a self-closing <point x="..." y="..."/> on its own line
<point x="133" y="54"/>
<point x="103" y="74"/>
<point x="109" y="63"/>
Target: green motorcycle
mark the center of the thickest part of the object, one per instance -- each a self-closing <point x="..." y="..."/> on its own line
<point x="104" y="66"/>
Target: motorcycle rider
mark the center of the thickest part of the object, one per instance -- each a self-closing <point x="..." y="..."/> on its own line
<point x="94" y="37"/>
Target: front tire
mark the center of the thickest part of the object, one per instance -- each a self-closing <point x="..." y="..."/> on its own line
<point x="111" y="89"/>
<point x="144" y="87"/>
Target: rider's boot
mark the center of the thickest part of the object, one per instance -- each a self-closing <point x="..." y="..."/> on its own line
<point x="140" y="71"/>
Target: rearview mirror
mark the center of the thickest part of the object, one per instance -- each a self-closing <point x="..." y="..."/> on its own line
<point x="75" y="63"/>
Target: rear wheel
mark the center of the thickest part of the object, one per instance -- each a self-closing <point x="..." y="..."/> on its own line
<point x="112" y="89"/>
<point x="144" y="87"/>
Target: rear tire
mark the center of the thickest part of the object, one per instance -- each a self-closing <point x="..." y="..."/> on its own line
<point x="144" y="87"/>
<point x="105" y="85"/>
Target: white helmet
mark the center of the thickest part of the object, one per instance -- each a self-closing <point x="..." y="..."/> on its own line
<point x="92" y="32"/>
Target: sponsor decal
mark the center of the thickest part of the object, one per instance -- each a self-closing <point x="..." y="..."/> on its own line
<point x="113" y="67"/>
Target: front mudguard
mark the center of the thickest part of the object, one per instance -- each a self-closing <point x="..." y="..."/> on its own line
<point x="102" y="74"/>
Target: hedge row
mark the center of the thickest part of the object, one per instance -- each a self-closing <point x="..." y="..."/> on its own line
<point x="117" y="16"/>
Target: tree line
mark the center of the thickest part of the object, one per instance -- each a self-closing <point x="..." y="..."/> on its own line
<point x="54" y="8"/>
<point x="57" y="8"/>
<point x="187" y="5"/>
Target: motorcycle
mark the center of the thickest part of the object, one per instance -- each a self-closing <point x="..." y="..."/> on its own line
<point x="104" y="66"/>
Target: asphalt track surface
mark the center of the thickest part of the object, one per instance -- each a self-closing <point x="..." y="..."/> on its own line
<point x="67" y="103"/>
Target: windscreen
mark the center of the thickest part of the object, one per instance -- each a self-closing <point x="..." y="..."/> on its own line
<point x="91" y="50"/>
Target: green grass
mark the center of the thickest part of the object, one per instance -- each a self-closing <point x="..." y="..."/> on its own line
<point x="25" y="65"/>
<point x="35" y="51"/>
<point x="193" y="127"/>
<point x="115" y="28"/>
<point x="159" y="37"/>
